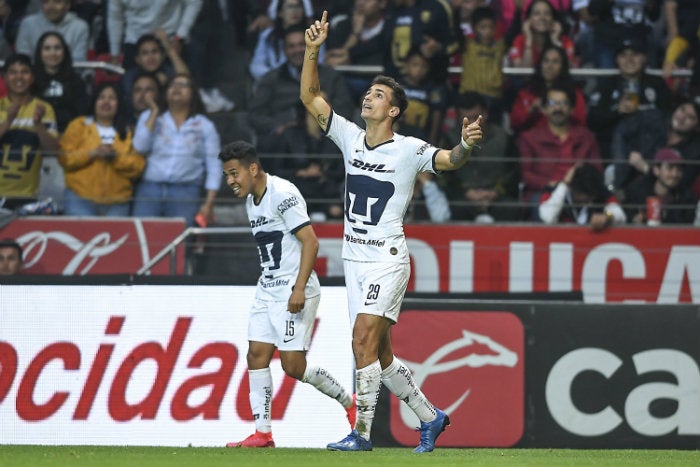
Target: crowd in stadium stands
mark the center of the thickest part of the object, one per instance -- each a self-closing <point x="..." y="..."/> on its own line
<point x="561" y="144"/>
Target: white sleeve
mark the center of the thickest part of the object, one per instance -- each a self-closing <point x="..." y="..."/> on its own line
<point x="23" y="43"/>
<point x="292" y="208"/>
<point x="258" y="64"/>
<point x="436" y="202"/>
<point x="188" y="16"/>
<point x="618" y="214"/>
<point x="143" y="137"/>
<point x="115" y="26"/>
<point x="551" y="208"/>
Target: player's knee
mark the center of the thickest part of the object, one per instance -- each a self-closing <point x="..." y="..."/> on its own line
<point x="257" y="360"/>
<point x="294" y="369"/>
<point x="365" y="341"/>
<point x="364" y="349"/>
<point x="293" y="364"/>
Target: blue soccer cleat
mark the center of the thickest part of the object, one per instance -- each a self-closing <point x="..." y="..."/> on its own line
<point x="352" y="442"/>
<point x="430" y="431"/>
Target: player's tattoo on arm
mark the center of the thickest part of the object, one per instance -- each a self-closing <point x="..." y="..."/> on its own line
<point x="314" y="90"/>
<point x="322" y="120"/>
<point x="313" y="56"/>
<point x="458" y="155"/>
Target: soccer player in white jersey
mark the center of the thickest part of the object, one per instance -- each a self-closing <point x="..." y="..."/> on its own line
<point x="381" y="168"/>
<point x="288" y="291"/>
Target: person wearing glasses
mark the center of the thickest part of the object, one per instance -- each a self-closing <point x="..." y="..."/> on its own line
<point x="548" y="151"/>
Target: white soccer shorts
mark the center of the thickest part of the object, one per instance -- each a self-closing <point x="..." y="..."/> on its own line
<point x="375" y="288"/>
<point x="271" y="322"/>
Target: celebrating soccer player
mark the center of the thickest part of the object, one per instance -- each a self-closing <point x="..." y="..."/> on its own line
<point x="381" y="168"/>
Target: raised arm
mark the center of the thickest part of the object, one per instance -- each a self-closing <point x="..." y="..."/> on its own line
<point x="456" y="157"/>
<point x="310" y="89"/>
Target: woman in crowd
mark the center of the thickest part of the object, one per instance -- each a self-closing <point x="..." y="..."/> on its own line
<point x="553" y="68"/>
<point x="55" y="80"/>
<point x="156" y="55"/>
<point x="269" y="50"/>
<point x="541" y="27"/>
<point x="98" y="159"/>
<point x="181" y="146"/>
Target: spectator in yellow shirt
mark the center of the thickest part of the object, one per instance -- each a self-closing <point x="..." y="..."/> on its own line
<point x="99" y="161"/>
<point x="27" y="127"/>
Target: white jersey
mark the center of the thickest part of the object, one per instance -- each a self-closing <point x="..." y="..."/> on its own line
<point x="379" y="185"/>
<point x="280" y="214"/>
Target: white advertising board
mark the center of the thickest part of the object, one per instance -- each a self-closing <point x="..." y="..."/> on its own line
<point x="154" y="365"/>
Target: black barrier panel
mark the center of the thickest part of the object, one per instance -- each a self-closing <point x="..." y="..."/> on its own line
<point x="595" y="376"/>
<point x="616" y="376"/>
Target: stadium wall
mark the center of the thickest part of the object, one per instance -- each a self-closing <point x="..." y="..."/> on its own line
<point x="164" y="364"/>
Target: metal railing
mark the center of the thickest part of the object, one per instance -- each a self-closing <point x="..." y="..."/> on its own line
<point x="453" y="70"/>
<point x="171" y="248"/>
<point x="92" y="65"/>
<point x="516" y="71"/>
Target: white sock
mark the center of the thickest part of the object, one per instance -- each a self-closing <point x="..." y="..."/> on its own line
<point x="368" y="383"/>
<point x="397" y="377"/>
<point x="327" y="384"/>
<point x="261" y="398"/>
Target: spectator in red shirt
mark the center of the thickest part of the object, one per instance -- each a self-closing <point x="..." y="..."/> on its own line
<point x="548" y="151"/>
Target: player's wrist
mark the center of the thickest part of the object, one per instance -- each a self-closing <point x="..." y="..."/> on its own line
<point x="465" y="145"/>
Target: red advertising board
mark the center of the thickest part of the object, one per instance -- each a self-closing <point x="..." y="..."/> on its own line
<point x="472" y="366"/>
<point x="80" y="246"/>
<point x="625" y="264"/>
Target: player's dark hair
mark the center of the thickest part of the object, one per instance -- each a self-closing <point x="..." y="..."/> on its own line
<point x="398" y="95"/>
<point x="12" y="243"/>
<point x="240" y="150"/>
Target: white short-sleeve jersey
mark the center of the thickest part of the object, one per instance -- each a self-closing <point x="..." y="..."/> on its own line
<point x="379" y="185"/>
<point x="274" y="221"/>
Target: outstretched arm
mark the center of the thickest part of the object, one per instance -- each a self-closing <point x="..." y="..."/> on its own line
<point x="310" y="89"/>
<point x="457" y="157"/>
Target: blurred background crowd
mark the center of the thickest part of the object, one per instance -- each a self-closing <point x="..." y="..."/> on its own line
<point x="119" y="107"/>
